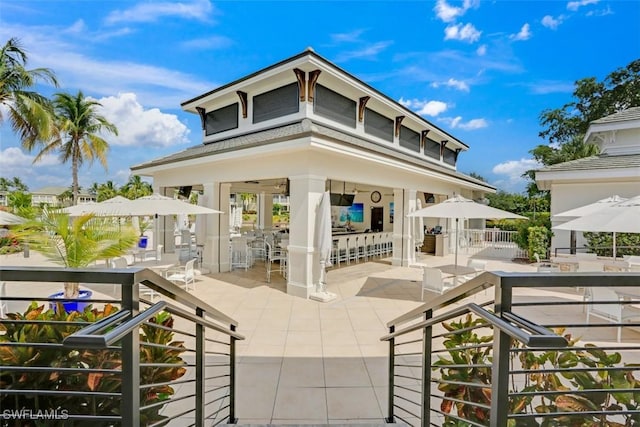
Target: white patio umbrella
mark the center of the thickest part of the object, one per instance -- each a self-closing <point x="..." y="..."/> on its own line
<point x="590" y="208"/>
<point x="324" y="244"/>
<point x="621" y="217"/>
<point x="109" y="207"/>
<point x="460" y="207"/>
<point x="7" y="218"/>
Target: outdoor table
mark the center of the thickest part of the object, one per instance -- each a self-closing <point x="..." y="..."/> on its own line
<point x="456" y="271"/>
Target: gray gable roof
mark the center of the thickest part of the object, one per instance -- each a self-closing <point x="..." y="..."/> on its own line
<point x="602" y="161"/>
<point x="632" y="113"/>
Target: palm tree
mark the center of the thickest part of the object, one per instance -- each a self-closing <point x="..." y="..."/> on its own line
<point x="77" y="137"/>
<point x="107" y="191"/>
<point x="136" y="187"/>
<point x="18" y="185"/>
<point x="29" y="112"/>
<point x="76" y="243"/>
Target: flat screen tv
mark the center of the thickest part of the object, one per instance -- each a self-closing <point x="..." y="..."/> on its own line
<point x="338" y="199"/>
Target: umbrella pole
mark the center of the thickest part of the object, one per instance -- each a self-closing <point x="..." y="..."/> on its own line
<point x="457" y="244"/>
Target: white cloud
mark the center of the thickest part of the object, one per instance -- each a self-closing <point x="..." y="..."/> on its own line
<point x="549" y="86"/>
<point x="453" y="83"/>
<point x="423" y="107"/>
<point x="575" y="5"/>
<point x="351" y="37"/>
<point x="482" y="50"/>
<point x="601" y="12"/>
<point x="456" y="122"/>
<point x="467" y="33"/>
<point x="448" y="13"/>
<point x="15" y="162"/>
<point x="513" y="170"/>
<point x="209" y="43"/>
<point x="551" y="22"/>
<point x="524" y="34"/>
<point x="152" y="11"/>
<point x="368" y="52"/>
<point x="139" y="127"/>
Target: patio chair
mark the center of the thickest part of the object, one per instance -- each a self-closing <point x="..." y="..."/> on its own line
<point x="184" y="276"/>
<point x="432" y="281"/>
<point x="478" y="265"/>
<point x="615" y="313"/>
<point x="240" y="253"/>
<point x="545" y="265"/>
<point x="275" y="255"/>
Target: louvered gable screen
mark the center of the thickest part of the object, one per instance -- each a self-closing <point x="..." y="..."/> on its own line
<point x="334" y="106"/>
<point x="222" y="119"/>
<point x="409" y="139"/>
<point x="276" y="103"/>
<point x="432" y="149"/>
<point x="378" y="125"/>
<point x="449" y="156"/>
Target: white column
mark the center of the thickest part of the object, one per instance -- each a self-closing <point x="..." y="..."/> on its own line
<point x="403" y="246"/>
<point x="304" y="266"/>
<point x="215" y="256"/>
<point x="265" y="211"/>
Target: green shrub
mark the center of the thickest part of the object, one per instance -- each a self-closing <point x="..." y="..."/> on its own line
<point x="602" y="243"/>
<point x="538" y="242"/>
<point x="83" y="359"/>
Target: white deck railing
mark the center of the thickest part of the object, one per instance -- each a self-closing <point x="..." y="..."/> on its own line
<point x="489" y="243"/>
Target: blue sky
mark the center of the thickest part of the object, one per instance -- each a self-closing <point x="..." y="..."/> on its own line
<point x="481" y="70"/>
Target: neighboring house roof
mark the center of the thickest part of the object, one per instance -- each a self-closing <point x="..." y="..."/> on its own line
<point x="299" y="129"/>
<point x="632" y="113"/>
<point x="53" y="191"/>
<point x="626" y="119"/>
<point x="596" y="162"/>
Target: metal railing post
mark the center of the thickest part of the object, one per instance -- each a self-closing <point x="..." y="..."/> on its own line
<point x="232" y="378"/>
<point x="130" y="405"/>
<point x="501" y="354"/>
<point x="200" y="371"/>
<point x="426" y="371"/>
<point x="392" y="341"/>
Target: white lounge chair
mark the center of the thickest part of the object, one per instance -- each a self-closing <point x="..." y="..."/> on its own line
<point x="432" y="281"/>
<point x="616" y="313"/>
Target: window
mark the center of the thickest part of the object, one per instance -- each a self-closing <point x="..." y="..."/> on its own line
<point x="432" y="149"/>
<point x="276" y="103"/>
<point x="334" y="106"/>
<point x="409" y="139"/>
<point x="378" y="125"/>
<point x="449" y="156"/>
<point x="222" y="119"/>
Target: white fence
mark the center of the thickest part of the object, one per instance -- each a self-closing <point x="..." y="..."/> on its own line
<point x="487" y="243"/>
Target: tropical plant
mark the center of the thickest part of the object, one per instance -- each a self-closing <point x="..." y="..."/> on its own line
<point x="157" y="347"/>
<point x="602" y="243"/>
<point x="29" y="112"/>
<point x="77" y="242"/>
<point x="77" y="137"/>
<point x="569" y="371"/>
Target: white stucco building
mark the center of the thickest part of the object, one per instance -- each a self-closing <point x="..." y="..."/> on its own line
<point x="615" y="171"/>
<point x="305" y="126"/>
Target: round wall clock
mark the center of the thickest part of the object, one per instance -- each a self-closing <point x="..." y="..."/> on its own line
<point x="376" y="196"/>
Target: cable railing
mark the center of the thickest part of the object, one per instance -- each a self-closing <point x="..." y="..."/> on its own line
<point x="515" y="349"/>
<point x="124" y="359"/>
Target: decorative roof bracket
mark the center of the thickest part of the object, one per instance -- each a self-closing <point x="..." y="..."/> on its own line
<point x="302" y="83"/>
<point x="203" y="114"/>
<point x="361" y="107"/>
<point x="397" y="126"/>
<point x="313" y="79"/>
<point x="423" y="138"/>
<point x="443" y="144"/>
<point x="243" y="102"/>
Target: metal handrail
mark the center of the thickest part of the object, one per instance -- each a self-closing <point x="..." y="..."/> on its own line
<point x="539" y="337"/>
<point x="119" y="332"/>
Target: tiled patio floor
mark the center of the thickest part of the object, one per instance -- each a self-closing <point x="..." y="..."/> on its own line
<point x="307" y="362"/>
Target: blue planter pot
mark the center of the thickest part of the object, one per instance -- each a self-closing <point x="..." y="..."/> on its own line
<point x="142" y="243"/>
<point x="71" y="304"/>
